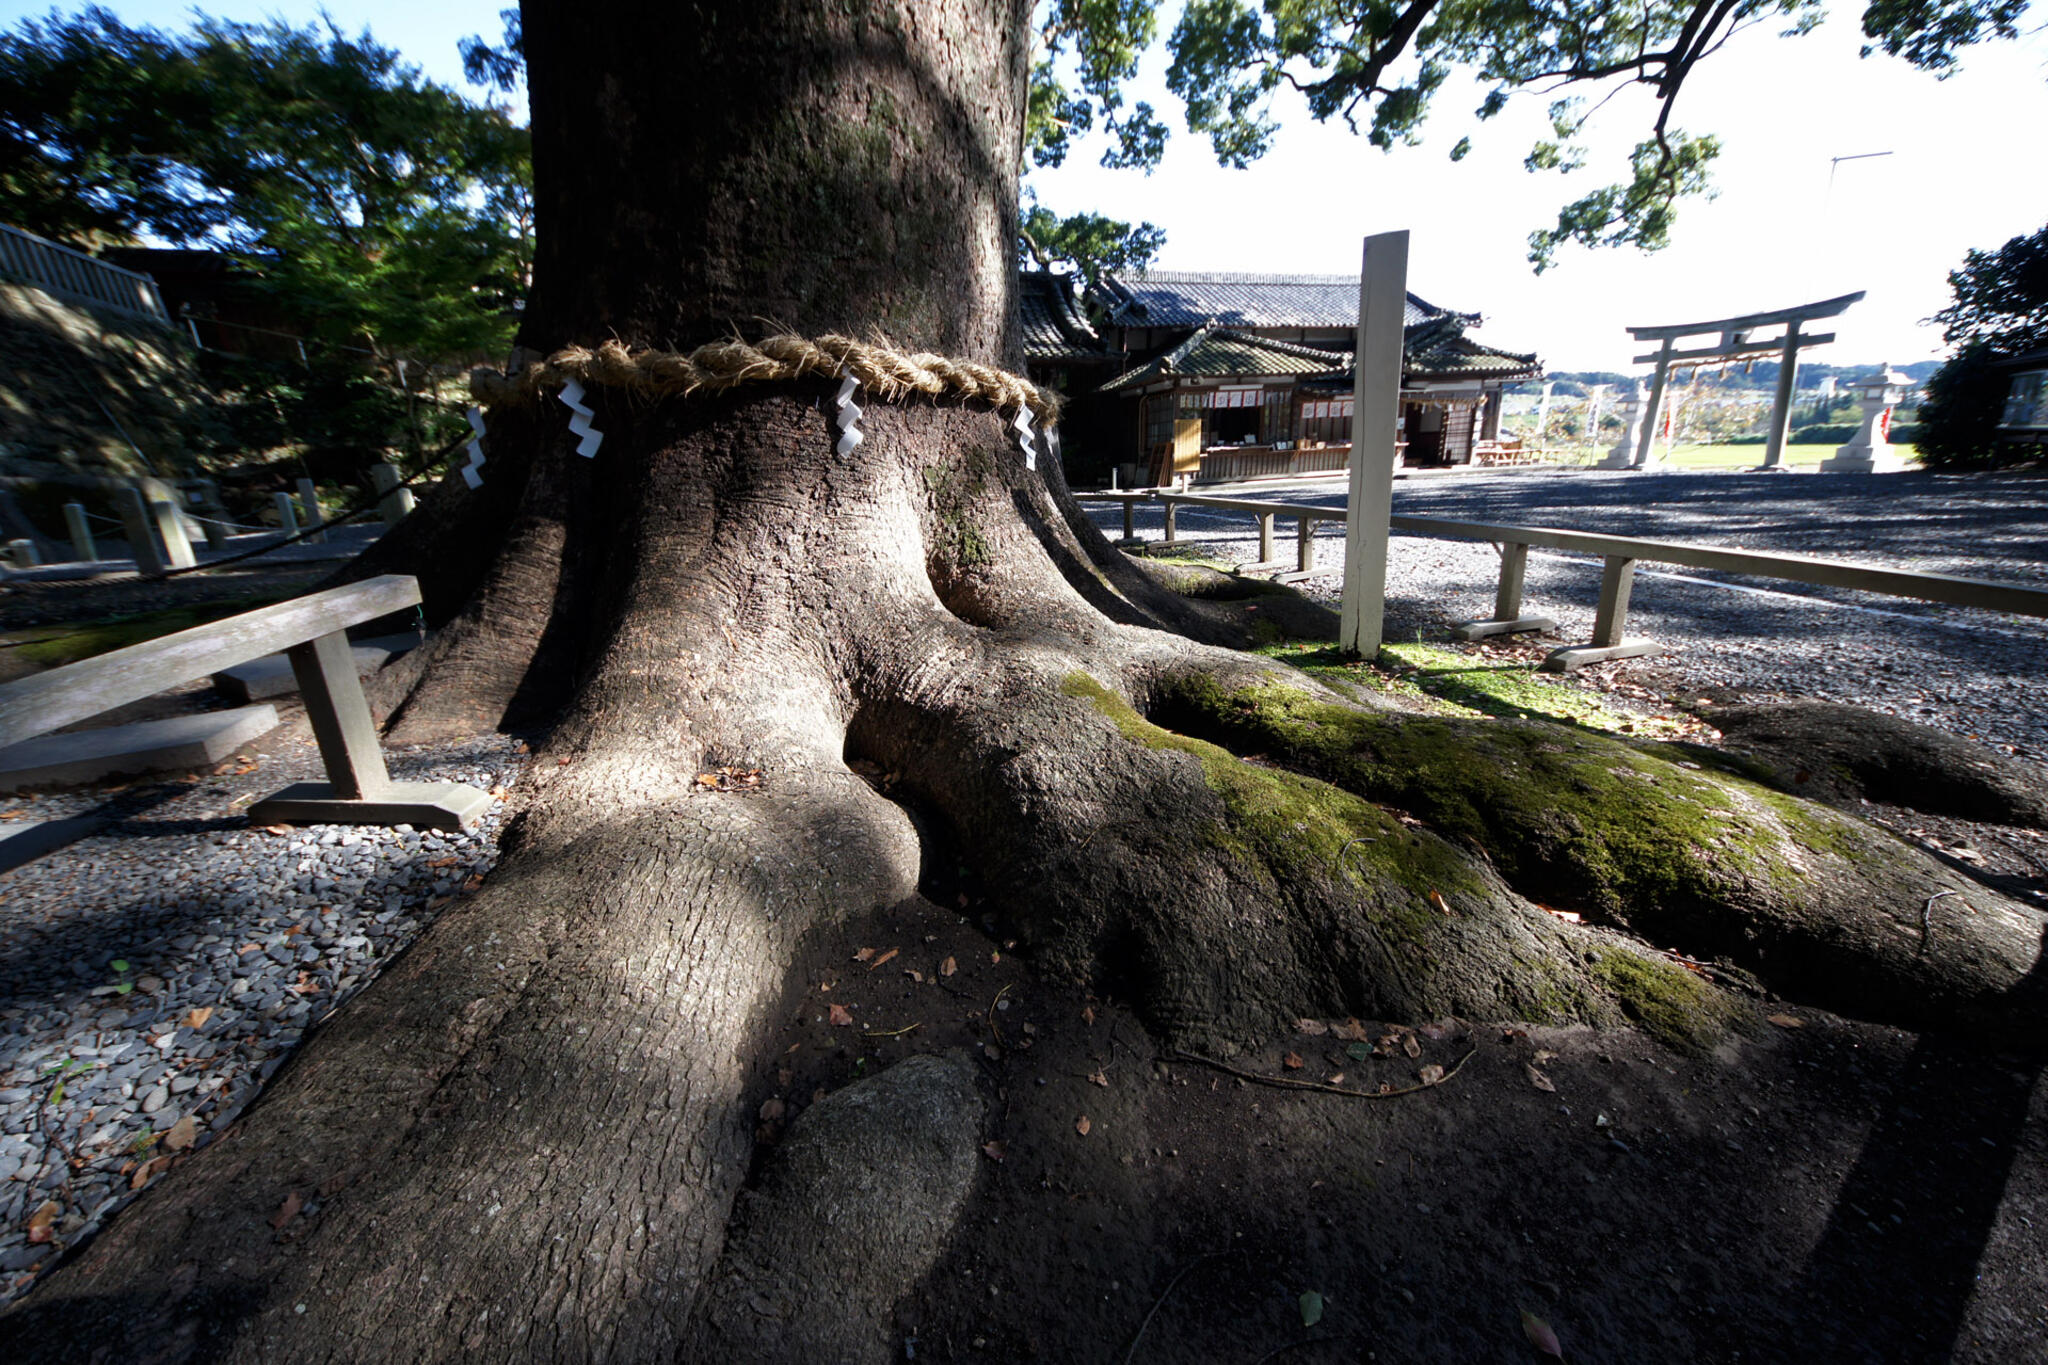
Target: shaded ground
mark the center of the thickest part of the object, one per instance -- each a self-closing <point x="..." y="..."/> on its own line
<point x="1825" y="1192"/>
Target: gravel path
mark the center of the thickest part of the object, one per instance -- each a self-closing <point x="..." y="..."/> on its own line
<point x="153" y="976"/>
<point x="1970" y="672"/>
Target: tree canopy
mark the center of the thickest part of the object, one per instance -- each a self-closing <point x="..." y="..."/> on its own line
<point x="1380" y="66"/>
<point x="375" y="204"/>
<point x="1999" y="308"/>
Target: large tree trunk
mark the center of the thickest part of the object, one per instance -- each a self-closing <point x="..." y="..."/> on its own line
<point x="526" y="1140"/>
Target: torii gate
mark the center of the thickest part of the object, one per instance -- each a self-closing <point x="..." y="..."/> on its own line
<point x="1735" y="344"/>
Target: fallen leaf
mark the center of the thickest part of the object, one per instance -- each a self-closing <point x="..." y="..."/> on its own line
<point x="1292" y="1061"/>
<point x="1314" y="1028"/>
<point x="994" y="1151"/>
<point x="44" y="1216"/>
<point x="1431" y="1074"/>
<point x="992" y="1051"/>
<point x="442" y="862"/>
<point x="1336" y="1078"/>
<point x="1351" y="1030"/>
<point x="772" y="1109"/>
<point x="1311" y="1308"/>
<point x="841" y="1016"/>
<point x="277" y="829"/>
<point x="883" y="958"/>
<point x="1410" y="1046"/>
<point x="1436" y="898"/>
<point x="183" y="1134"/>
<point x="994" y="958"/>
<point x="1088" y="1014"/>
<point x="1082" y="1125"/>
<point x="862" y="955"/>
<point x="197" y="1018"/>
<point x="914" y="974"/>
<point x="948" y="967"/>
<point x="287" y="1211"/>
<point x="1100" y="1079"/>
<point x="1541" y="1081"/>
<point x="1787" y="1020"/>
<point x="1540" y="1336"/>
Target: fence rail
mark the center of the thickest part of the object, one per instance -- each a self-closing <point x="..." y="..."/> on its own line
<point x="1620" y="555"/>
<point x="69" y="274"/>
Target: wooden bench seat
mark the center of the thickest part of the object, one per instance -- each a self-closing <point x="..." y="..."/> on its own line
<point x="313" y="633"/>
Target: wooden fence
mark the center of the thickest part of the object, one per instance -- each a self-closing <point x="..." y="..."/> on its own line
<point x="58" y="270"/>
<point x="1619" y="555"/>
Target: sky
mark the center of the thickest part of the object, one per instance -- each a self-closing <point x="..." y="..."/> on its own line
<point x="1964" y="171"/>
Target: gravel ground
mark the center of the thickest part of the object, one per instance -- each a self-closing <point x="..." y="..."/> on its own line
<point x="1974" y="673"/>
<point x="235" y="941"/>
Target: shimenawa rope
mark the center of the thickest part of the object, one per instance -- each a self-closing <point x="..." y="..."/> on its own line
<point x="886" y="373"/>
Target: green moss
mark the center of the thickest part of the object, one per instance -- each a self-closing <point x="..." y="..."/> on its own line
<point x="1670" y="1004"/>
<point x="954" y="491"/>
<point x="1596" y="822"/>
<point x="1285" y="826"/>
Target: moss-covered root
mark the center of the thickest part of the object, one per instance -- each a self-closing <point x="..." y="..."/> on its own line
<point x="1249" y="895"/>
<point x="1820" y="904"/>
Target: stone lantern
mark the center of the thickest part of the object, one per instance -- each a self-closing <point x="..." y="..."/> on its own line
<point x="1623" y="455"/>
<point x="1870" y="450"/>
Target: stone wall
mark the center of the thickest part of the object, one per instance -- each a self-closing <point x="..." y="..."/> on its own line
<point x="90" y="397"/>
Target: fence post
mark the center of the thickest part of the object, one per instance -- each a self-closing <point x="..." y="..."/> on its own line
<point x="309" y="499"/>
<point x="82" y="543"/>
<point x="1172" y="532"/>
<point x="393" y="502"/>
<point x="1305" y="547"/>
<point x="287" y="515"/>
<point x="1265" y="537"/>
<point x="149" y="561"/>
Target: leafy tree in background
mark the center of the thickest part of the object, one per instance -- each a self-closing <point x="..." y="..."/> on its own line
<point x="1380" y="66"/>
<point x="1999" y="309"/>
<point x="377" y="210"/>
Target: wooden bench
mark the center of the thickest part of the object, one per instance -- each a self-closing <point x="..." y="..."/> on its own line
<point x="313" y="633"/>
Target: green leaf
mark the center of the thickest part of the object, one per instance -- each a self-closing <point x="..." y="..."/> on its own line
<point x="1358" y="1052"/>
<point x="124" y="988"/>
<point x="1311" y="1308"/>
<point x="118" y="965"/>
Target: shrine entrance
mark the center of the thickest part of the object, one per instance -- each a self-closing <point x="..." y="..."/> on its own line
<point x="1736" y="344"/>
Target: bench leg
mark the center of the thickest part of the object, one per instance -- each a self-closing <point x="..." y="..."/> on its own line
<point x="1265" y="537"/>
<point x="1610" y="620"/>
<point x="358" y="790"/>
<point x="1172" y="530"/>
<point x="1305" y="547"/>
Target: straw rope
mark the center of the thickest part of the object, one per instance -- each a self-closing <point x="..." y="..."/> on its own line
<point x="886" y="373"/>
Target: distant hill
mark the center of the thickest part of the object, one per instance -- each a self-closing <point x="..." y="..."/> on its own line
<point x="1760" y="374"/>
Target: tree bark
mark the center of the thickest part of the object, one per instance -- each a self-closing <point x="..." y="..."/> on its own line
<point x="526" y="1139"/>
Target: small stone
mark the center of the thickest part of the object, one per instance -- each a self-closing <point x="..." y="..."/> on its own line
<point x="156" y="1099"/>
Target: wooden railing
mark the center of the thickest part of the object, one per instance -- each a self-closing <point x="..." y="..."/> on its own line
<point x="1620" y="555"/>
<point x="27" y="259"/>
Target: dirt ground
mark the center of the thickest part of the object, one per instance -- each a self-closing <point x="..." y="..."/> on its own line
<point x="1817" y="1190"/>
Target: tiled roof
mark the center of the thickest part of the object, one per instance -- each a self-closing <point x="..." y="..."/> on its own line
<point x="1053" y="327"/>
<point x="1221" y="353"/>
<point x="1460" y="357"/>
<point x="1182" y="298"/>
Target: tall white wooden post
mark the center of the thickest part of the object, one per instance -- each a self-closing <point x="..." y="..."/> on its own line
<point x="1375" y="408"/>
